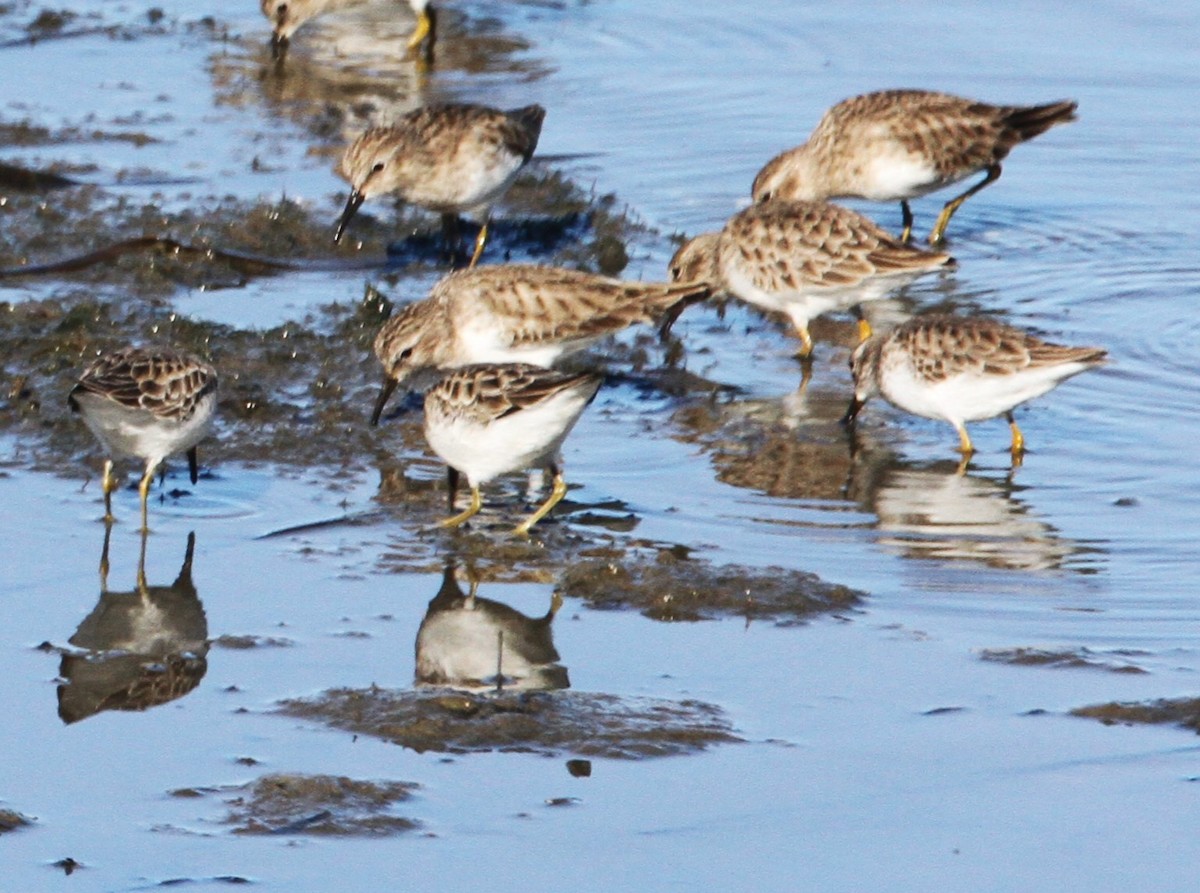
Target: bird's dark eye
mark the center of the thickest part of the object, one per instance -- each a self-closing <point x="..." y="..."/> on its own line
<point x="405" y="354"/>
<point x="377" y="168"/>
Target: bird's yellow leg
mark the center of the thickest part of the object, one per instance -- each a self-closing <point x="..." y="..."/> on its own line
<point x="108" y="484"/>
<point x="144" y="494"/>
<point x="806" y="342"/>
<point x="422" y="29"/>
<point x="939" y="229"/>
<point x="556" y="494"/>
<point x="964" y="440"/>
<point x="480" y="240"/>
<point x="471" y="511"/>
<point x="864" y="330"/>
<point x="1018" y="439"/>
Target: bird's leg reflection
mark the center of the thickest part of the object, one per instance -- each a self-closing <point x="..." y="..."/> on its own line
<point x="499" y="661"/>
<point x="142" y="585"/>
<point x="104" y="556"/>
<point x="473" y="578"/>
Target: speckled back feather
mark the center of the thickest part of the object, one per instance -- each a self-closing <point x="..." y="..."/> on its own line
<point x="939" y="347"/>
<point x="163" y="381"/>
<point x="787" y="245"/>
<point x="433" y="135"/>
<point x="529" y="304"/>
<point x="955" y="135"/>
<point x="489" y="391"/>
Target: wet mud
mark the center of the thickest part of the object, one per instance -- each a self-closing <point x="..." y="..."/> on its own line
<point x="319" y="805"/>
<point x="11" y="820"/>
<point x="296" y="394"/>
<point x="1079" y="659"/>
<point x="584" y="724"/>
<point x="1182" y="712"/>
<point x="669" y="587"/>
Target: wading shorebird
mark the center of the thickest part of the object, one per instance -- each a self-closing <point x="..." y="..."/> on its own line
<point x="146" y="403"/>
<point x="803" y="259"/>
<point x="490" y="419"/>
<point x="894" y="145"/>
<point x="962" y="369"/>
<point x="516" y="313"/>
<point x="451" y="159"/>
<point x="286" y="16"/>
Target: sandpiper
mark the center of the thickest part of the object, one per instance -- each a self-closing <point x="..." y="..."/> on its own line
<point x="454" y="159"/>
<point x="147" y="403"/>
<point x="286" y="16"/>
<point x="516" y="313"/>
<point x="486" y="420"/>
<point x="962" y="369"/>
<point x="900" y="144"/>
<point x="803" y="258"/>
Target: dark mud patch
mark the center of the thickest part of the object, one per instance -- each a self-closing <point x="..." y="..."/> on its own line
<point x="216" y="244"/>
<point x="248" y="642"/>
<point x="1040" y="657"/>
<point x="22" y="179"/>
<point x="549" y="723"/>
<point x="326" y="805"/>
<point x="11" y="820"/>
<point x="1183" y="712"/>
<point x="672" y="587"/>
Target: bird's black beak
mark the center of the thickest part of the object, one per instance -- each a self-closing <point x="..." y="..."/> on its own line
<point x="389" y="385"/>
<point x="852" y="411"/>
<point x="279" y="47"/>
<point x="352" y="205"/>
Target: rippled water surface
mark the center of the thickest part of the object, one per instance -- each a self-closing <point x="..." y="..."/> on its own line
<point x="881" y="749"/>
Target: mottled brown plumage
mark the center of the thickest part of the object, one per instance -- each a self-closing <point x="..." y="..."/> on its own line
<point x="165" y="382"/>
<point x="454" y="159"/>
<point x="148" y="403"/>
<point x="516" y="313"/>
<point x="963" y="369"/>
<point x="803" y="258"/>
<point x="485" y="420"/>
<point x="488" y="391"/>
<point x="894" y="145"/>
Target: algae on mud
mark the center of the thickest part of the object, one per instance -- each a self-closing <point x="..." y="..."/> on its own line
<point x="1082" y="658"/>
<point x="667" y="587"/>
<point x="585" y="724"/>
<point x="11" y="820"/>
<point x="1182" y="712"/>
<point x="325" y="805"/>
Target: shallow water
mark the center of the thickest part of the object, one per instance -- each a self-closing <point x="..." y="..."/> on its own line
<point x="882" y="751"/>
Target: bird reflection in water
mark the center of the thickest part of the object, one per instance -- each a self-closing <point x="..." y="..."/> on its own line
<point x="476" y="643"/>
<point x="140" y="648"/>
<point x="941" y="512"/>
